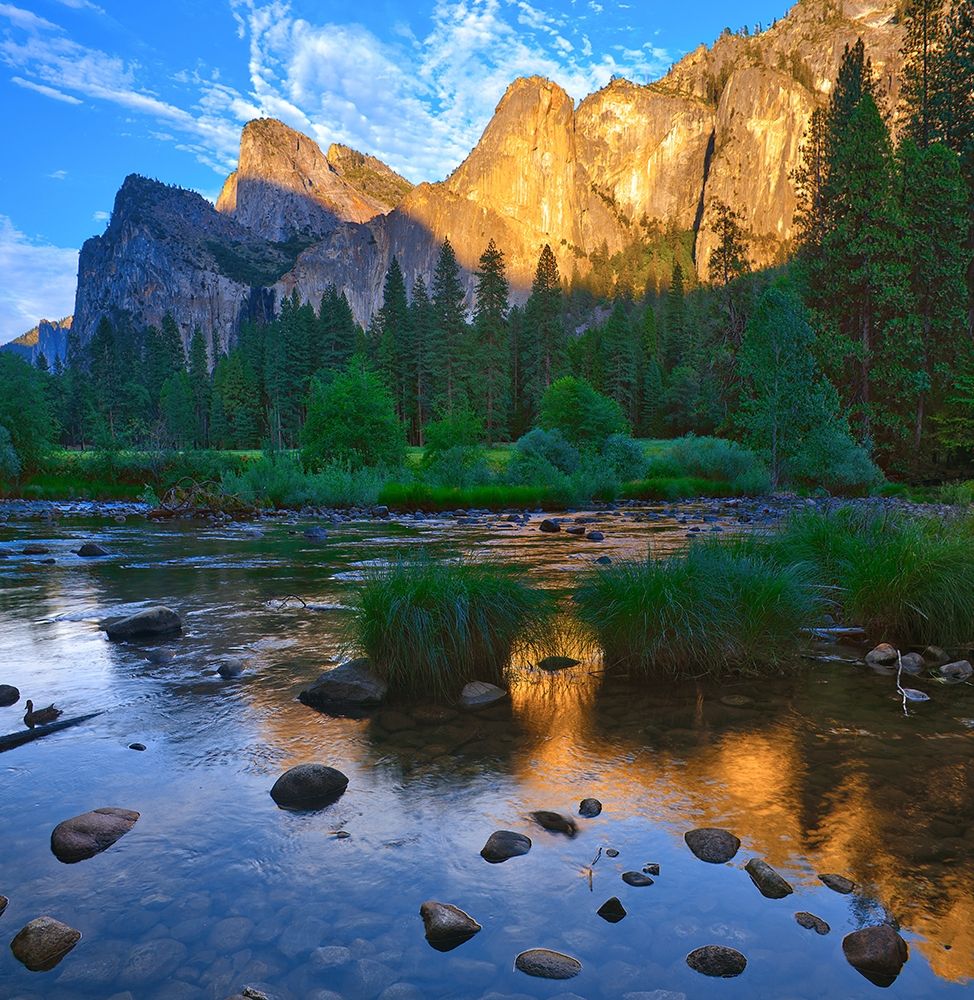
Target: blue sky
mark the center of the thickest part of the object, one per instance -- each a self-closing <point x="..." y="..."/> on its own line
<point x="92" y="91"/>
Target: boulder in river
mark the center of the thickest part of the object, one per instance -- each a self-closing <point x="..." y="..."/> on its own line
<point x="352" y="684"/>
<point x="480" y="694"/>
<point x="768" y="881"/>
<point x="595" y="536"/>
<point x="84" y="836"/>
<point x="838" y="883"/>
<point x="447" y="926"/>
<point x="229" y="669"/>
<point x="549" y="527"/>
<point x="913" y="663"/>
<point x="91" y="550"/>
<point x="956" y="672"/>
<point x="546" y="964"/>
<point x="637" y="879"/>
<point x="42" y="943"/>
<point x="877" y="952"/>
<point x="504" y="844"/>
<point x="717" y="960"/>
<point x="883" y="655"/>
<point x="34" y="550"/>
<point x="812" y="923"/>
<point x="589" y="808"/>
<point x="9" y="695"/>
<point x="145" y="624"/>
<point x="554" y="822"/>
<point x="712" y="844"/>
<point x="612" y="910"/>
<point x="309" y="786"/>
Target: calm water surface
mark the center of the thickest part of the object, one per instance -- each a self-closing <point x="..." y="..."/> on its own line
<point x="216" y="888"/>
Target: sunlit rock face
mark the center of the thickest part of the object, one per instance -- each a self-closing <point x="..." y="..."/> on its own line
<point x="725" y="124"/>
<point x="285" y="186"/>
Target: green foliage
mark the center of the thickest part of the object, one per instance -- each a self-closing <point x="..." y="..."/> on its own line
<point x="624" y="457"/>
<point x="461" y="427"/>
<point x="719" y="608"/>
<point x="584" y="416"/>
<point x="280" y="481"/>
<point x="430" y="627"/>
<point x="462" y="466"/>
<point x="352" y="419"/>
<point x="493" y="496"/>
<point x="9" y="460"/>
<point x="24" y="411"/>
<point x="714" y="459"/>
<point x="546" y="446"/>
<point x="830" y="459"/>
<point x="905" y="580"/>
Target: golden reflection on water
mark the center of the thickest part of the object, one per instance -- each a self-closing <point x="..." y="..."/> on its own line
<point x="846" y="816"/>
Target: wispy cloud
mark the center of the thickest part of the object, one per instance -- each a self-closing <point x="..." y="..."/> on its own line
<point x="418" y="102"/>
<point x="101" y="216"/>
<point x="38" y="280"/>
<point x="58" y="175"/>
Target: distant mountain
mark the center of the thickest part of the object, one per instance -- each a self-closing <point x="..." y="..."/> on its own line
<point x="726" y="123"/>
<point x="49" y="338"/>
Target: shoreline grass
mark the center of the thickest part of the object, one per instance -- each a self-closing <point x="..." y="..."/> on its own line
<point x="429" y="627"/>
<point x="719" y="608"/>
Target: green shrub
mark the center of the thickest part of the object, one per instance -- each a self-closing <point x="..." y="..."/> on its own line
<point x="905" y="580"/>
<point x="430" y="627"/>
<point x="352" y="419"/>
<point x="625" y="457"/>
<point x="460" y="465"/>
<point x="280" y="481"/>
<point x="585" y="417"/>
<point x="461" y="427"/>
<point x="9" y="462"/>
<point x="829" y="458"/>
<point x="674" y="488"/>
<point x="714" y="458"/>
<point x="718" y="608"/>
<point x="550" y="446"/>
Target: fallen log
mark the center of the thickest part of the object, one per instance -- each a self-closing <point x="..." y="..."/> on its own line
<point x="12" y="740"/>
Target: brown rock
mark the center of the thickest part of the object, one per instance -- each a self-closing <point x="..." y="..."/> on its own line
<point x="42" y="943"/>
<point x="90" y="833"/>
<point x="812" y="923"/>
<point x="447" y="926"/>
<point x="767" y="879"/>
<point x="546" y="964"/>
<point x="712" y="844"/>
<point x="718" y="961"/>
<point x="877" y="952"/>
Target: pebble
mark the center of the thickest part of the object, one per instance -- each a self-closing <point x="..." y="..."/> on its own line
<point x="546" y="964"/>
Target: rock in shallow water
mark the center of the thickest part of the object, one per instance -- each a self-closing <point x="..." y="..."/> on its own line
<point x="351" y="684"/>
<point x="712" y="844"/>
<point x="549" y="527"/>
<point x="42" y="943"/>
<point x="91" y="550"/>
<point x="84" y="836"/>
<point x="612" y="910"/>
<point x="838" y="883"/>
<point x="717" y="960"/>
<point x="636" y="879"/>
<point x="913" y="663"/>
<point x="589" y="808"/>
<point x="145" y="623"/>
<point x="3" y="904"/>
<point x="883" y="655"/>
<point x="768" y="881"/>
<point x="9" y="695"/>
<point x="480" y="694"/>
<point x="956" y="672"/>
<point x="545" y="964"/>
<point x="877" y="952"/>
<point x="554" y="822"/>
<point x="309" y="786"/>
<point x="504" y="844"/>
<point x="812" y="923"/>
<point x="447" y="926"/>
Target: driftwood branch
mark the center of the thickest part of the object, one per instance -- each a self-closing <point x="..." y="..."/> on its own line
<point x="12" y="740"/>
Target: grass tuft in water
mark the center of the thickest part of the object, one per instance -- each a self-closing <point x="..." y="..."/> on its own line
<point x="721" y="607"/>
<point x="904" y="579"/>
<point x="430" y="627"/>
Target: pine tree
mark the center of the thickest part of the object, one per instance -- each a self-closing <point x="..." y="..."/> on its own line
<point x="422" y="323"/>
<point x="491" y="389"/>
<point x="393" y="350"/>
<point x="728" y="263"/>
<point x="447" y="357"/>
<point x="178" y="410"/>
<point x="621" y="353"/>
<point x="920" y="66"/>
<point x="542" y="341"/>
<point x="199" y="380"/>
<point x="673" y="334"/>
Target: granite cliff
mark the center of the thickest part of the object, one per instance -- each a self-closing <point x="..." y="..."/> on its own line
<point x="726" y="123"/>
<point x="49" y="338"/>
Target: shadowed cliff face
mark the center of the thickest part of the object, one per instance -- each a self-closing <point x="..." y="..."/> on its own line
<point x="49" y="337"/>
<point x="727" y="123"/>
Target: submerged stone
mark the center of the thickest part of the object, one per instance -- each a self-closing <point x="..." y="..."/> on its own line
<point x="636" y="879"/>
<point x="589" y="808"/>
<point x="612" y="910"/>
<point x="9" y="695"/>
<point x="877" y="952"/>
<point x="350" y="684"/>
<point x="309" y="786"/>
<point x="712" y="844"/>
<point x="84" y="836"/>
<point x="91" y="550"/>
<point x="717" y="960"/>
<point x="554" y="822"/>
<point x="812" y="923"/>
<point x="42" y="943"/>
<point x="768" y="881"/>
<point x="447" y="926"/>
<point x="504" y="844"/>
<point x="145" y="623"/>
<point x="957" y="672"/>
<point x="838" y="883"/>
<point x="546" y="964"/>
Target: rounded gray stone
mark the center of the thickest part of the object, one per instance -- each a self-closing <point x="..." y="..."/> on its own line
<point x="546" y="964"/>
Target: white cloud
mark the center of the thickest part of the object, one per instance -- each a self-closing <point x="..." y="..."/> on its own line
<point x="38" y="281"/>
<point x="82" y="5"/>
<point x="101" y="216"/>
<point x="41" y="88"/>
<point x="25" y="19"/>
<point x="58" y="175"/>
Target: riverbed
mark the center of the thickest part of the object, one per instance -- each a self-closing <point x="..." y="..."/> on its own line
<point x="215" y="888"/>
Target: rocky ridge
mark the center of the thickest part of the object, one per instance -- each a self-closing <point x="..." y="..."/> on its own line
<point x="726" y="123"/>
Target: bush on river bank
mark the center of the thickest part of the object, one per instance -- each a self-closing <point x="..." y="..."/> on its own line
<point x="430" y="627"/>
<point x="719" y="607"/>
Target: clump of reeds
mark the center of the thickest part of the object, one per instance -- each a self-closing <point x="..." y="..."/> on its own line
<point x="429" y="626"/>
